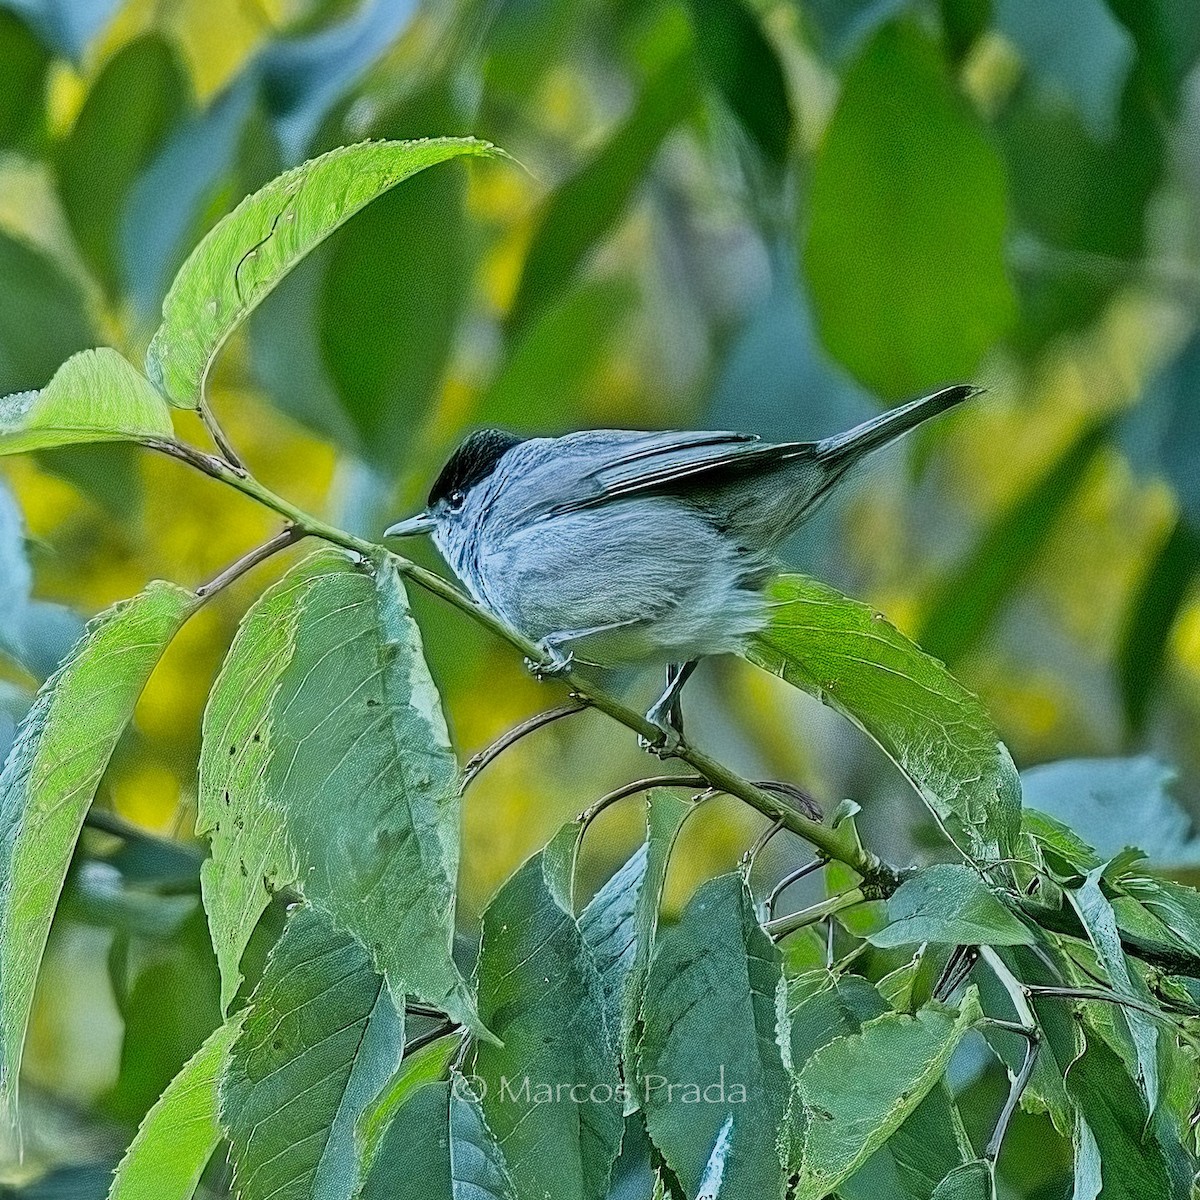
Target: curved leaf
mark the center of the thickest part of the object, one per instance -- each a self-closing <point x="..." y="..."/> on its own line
<point x="247" y="253"/>
<point x="907" y="202"/>
<point x="971" y="1181"/>
<point x="320" y="1041"/>
<point x="949" y="903"/>
<point x="552" y="1096"/>
<point x="50" y="777"/>
<point x="326" y="764"/>
<point x="95" y="396"/>
<point x="858" y="1090"/>
<point x="710" y="1069"/>
<point x="845" y="653"/>
<point x="179" y="1134"/>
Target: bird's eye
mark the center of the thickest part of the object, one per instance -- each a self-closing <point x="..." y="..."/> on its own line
<point x="456" y="500"/>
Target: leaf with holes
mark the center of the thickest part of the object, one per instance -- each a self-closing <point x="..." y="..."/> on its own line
<point x="326" y="765"/>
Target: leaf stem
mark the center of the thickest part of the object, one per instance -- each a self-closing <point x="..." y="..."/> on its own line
<point x="223" y="444"/>
<point x="782" y="926"/>
<point x="833" y="844"/>
<point x="288" y="536"/>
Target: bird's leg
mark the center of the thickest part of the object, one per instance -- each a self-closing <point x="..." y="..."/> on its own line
<point x="667" y="710"/>
<point x="552" y="647"/>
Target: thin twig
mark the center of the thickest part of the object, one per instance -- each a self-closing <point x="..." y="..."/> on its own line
<point x="760" y="842"/>
<point x="222" y="443"/>
<point x="478" y="763"/>
<point x="435" y="1034"/>
<point x="792" y="877"/>
<point x="782" y="926"/>
<point x="288" y="536"/>
<point x="104" y="821"/>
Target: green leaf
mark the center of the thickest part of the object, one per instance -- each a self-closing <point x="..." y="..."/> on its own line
<point x="326" y="765"/>
<point x="1174" y="904"/>
<point x="43" y="319"/>
<point x="1133" y="1162"/>
<point x="179" y="1134"/>
<point x="1167" y="33"/>
<point x="949" y="903"/>
<point x="743" y="66"/>
<point x="95" y="396"/>
<point x="439" y="1148"/>
<point x="23" y="63"/>
<point x="933" y="729"/>
<point x="711" y="1076"/>
<point x="396" y="282"/>
<point x="320" y="1041"/>
<point x="249" y="251"/>
<point x="963" y="21"/>
<point x="890" y="239"/>
<point x="584" y="209"/>
<point x="1100" y="921"/>
<point x="539" y="992"/>
<point x="50" y="777"/>
<point x="1149" y="618"/>
<point x="859" y="1089"/>
<point x="426" y="1065"/>
<point x="964" y="605"/>
<point x="971" y="1181"/>
<point x="1112" y="803"/>
<point x="141" y="92"/>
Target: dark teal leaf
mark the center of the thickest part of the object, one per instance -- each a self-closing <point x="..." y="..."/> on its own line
<point x="321" y="1039"/>
<point x="139" y="95"/>
<point x="949" y="903"/>
<point x="1167" y="33"/>
<point x="23" y="64"/>
<point x="742" y="64"/>
<point x="540" y="994"/>
<point x="962" y="23"/>
<point x="710" y="1035"/>
<point x="891" y="234"/>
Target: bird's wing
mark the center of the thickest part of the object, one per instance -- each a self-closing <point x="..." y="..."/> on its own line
<point x="655" y="461"/>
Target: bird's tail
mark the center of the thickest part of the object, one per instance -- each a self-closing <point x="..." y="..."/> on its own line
<point x="843" y="450"/>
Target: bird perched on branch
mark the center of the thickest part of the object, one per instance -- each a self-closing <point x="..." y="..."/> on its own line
<point x="610" y="546"/>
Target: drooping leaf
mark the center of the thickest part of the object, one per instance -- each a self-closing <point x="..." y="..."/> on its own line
<point x="1116" y="802"/>
<point x="95" y="396"/>
<point x="963" y="606"/>
<point x="439" y="1147"/>
<point x="248" y="252"/>
<point x="584" y="208"/>
<point x="552" y="1098"/>
<point x="950" y="903"/>
<point x="179" y="1134"/>
<point x="50" y="777"/>
<point x="937" y="733"/>
<point x="744" y="67"/>
<point x="711" y="1072"/>
<point x="320" y="1041"/>
<point x="1133" y="1162"/>
<point x="1100" y="921"/>
<point x="140" y="93"/>
<point x="891" y="235"/>
<point x="43" y="319"/>
<point x="858" y="1090"/>
<point x="326" y="765"/>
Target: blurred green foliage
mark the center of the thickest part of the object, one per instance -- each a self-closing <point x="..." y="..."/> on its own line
<point x="760" y="214"/>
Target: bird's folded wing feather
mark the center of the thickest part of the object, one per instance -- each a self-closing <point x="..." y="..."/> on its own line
<point x="655" y="461"/>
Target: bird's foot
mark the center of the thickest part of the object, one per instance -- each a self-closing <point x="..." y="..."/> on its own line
<point x="665" y="718"/>
<point x="555" y="665"/>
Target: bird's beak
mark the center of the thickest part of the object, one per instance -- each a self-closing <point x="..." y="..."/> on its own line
<point x="422" y="523"/>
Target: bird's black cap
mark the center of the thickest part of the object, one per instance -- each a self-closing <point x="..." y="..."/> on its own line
<point x="473" y="461"/>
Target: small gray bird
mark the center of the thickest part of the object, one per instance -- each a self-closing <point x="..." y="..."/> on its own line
<point x="610" y="546"/>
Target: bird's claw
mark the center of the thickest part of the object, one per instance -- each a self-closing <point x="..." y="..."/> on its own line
<point x="559" y="664"/>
